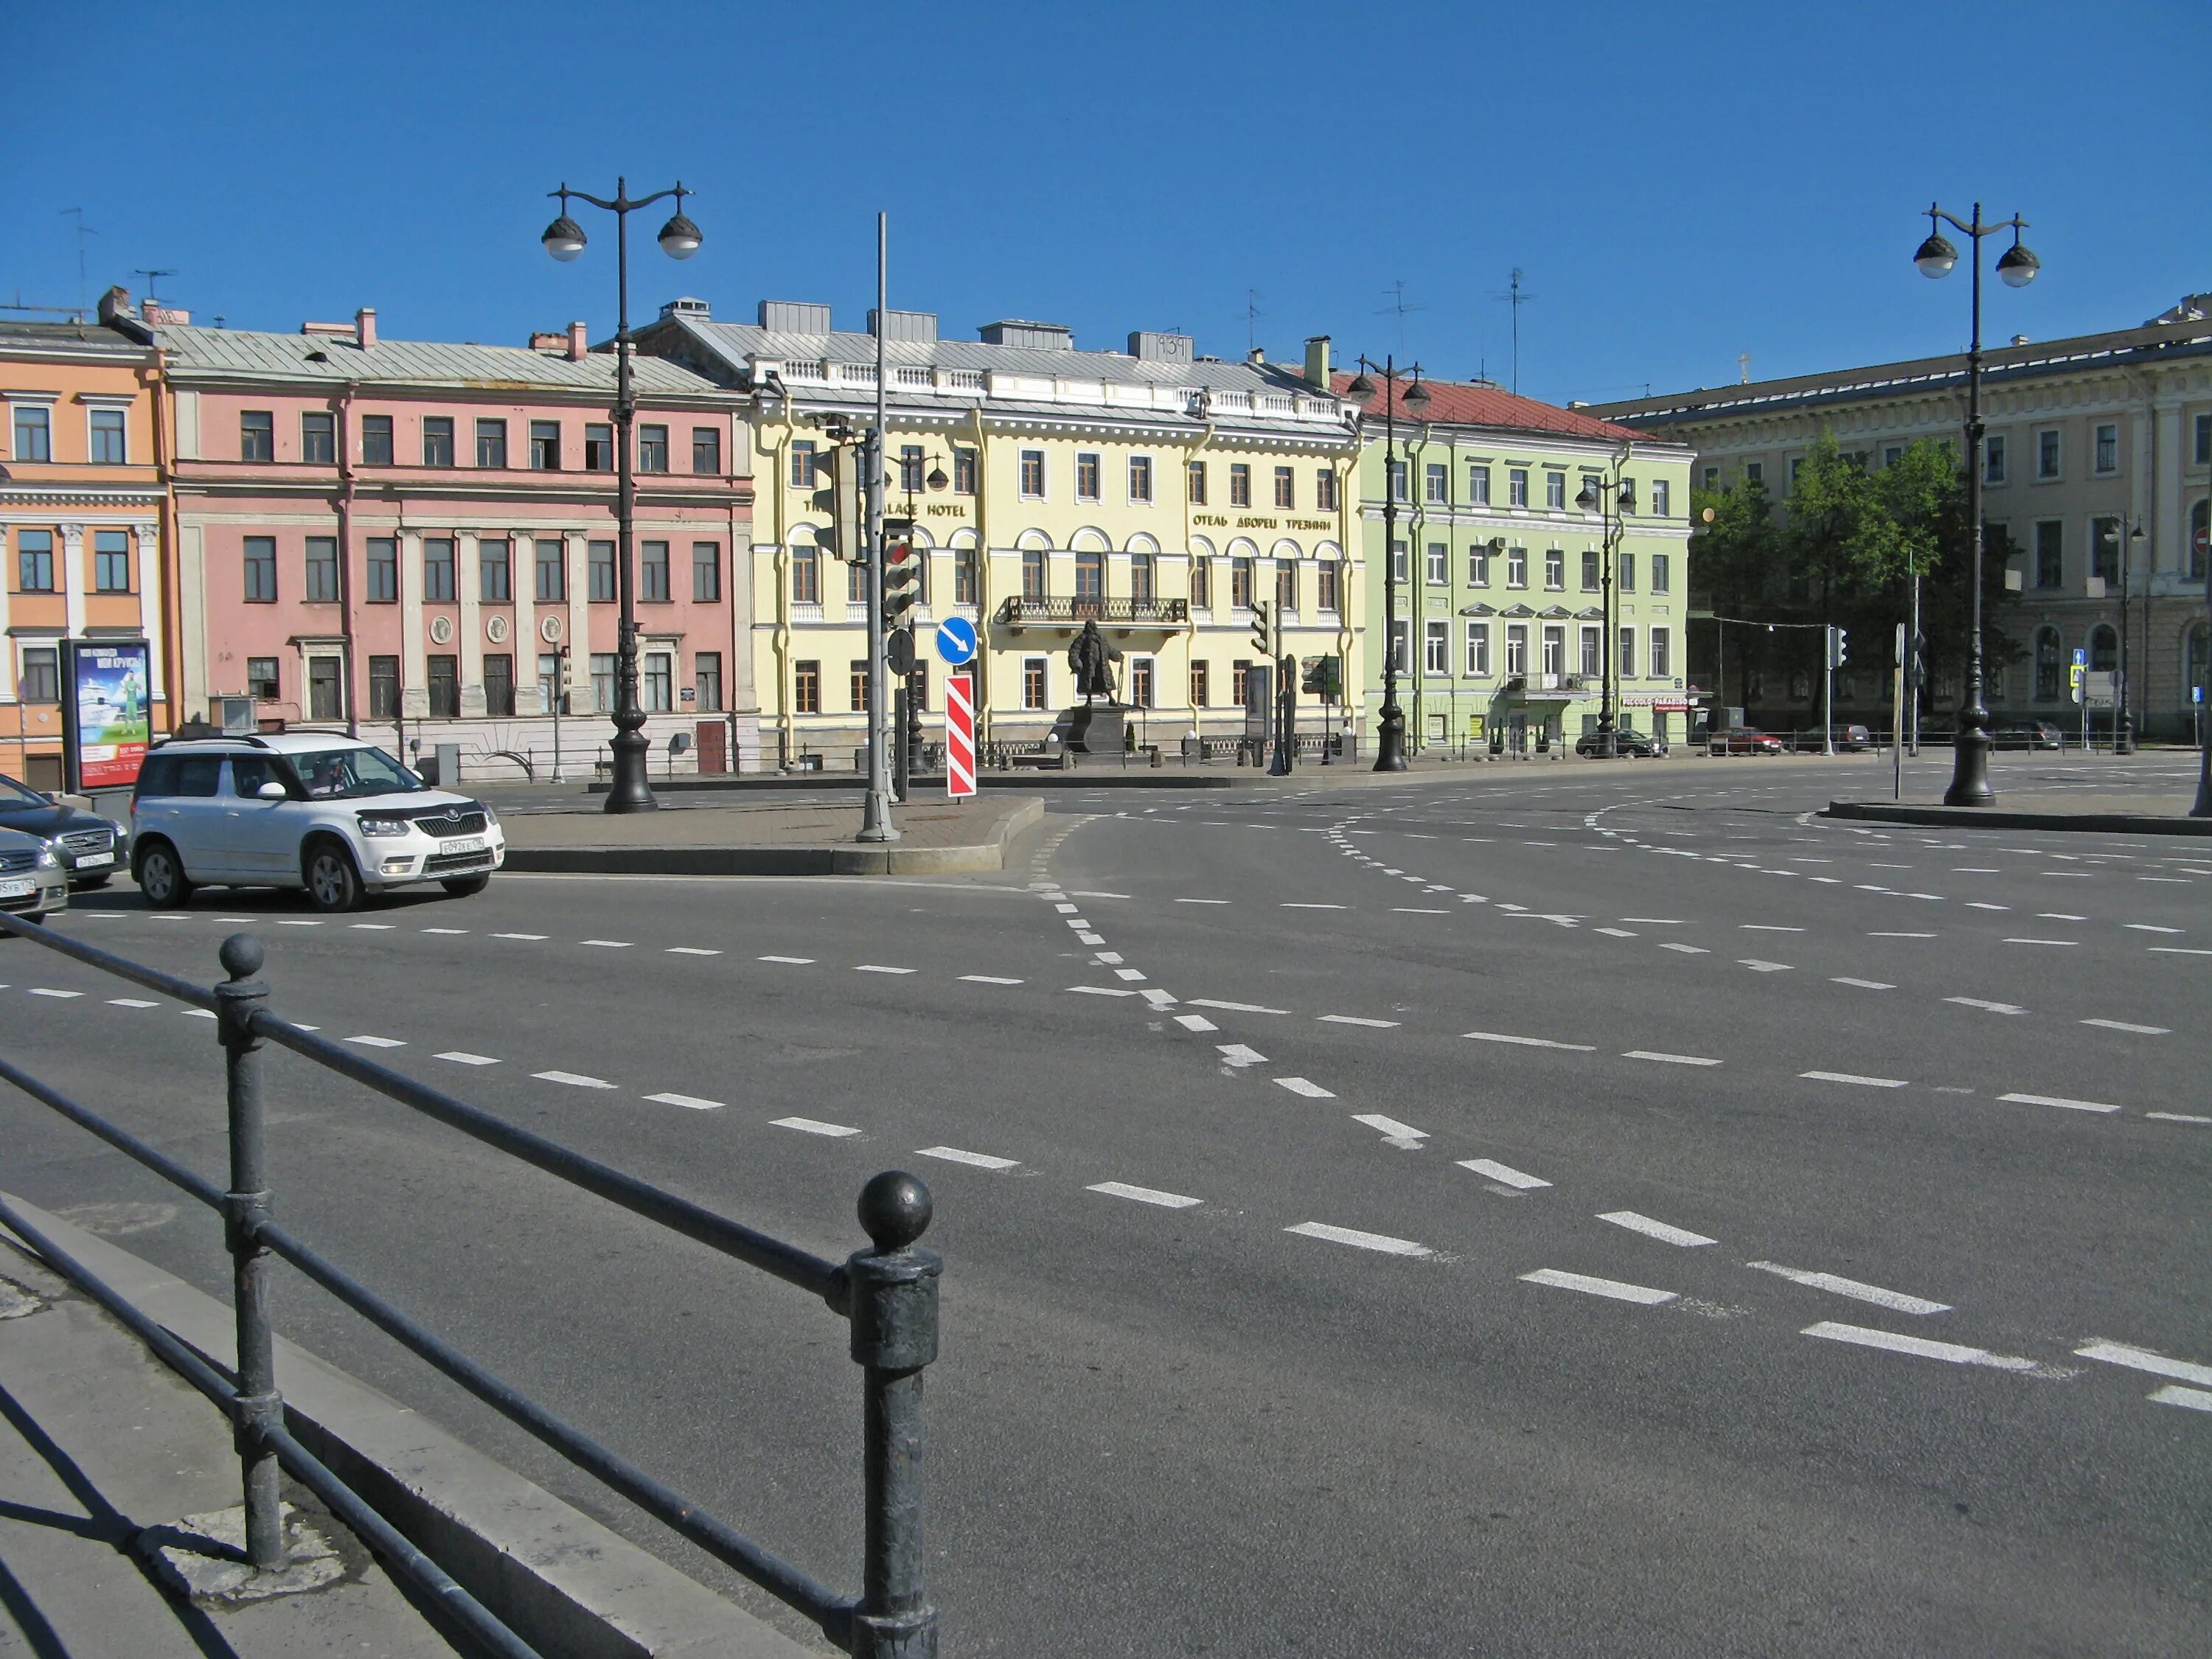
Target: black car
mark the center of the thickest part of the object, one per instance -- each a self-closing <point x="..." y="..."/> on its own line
<point x="1627" y="740"/>
<point x="2028" y="734"/>
<point x="88" y="846"/>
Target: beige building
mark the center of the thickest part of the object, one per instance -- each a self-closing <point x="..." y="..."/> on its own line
<point x="2088" y="438"/>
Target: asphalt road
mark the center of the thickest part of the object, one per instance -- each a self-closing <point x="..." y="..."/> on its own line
<point x="1547" y="1210"/>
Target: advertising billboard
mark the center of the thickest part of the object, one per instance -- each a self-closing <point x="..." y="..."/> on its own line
<point x="106" y="721"/>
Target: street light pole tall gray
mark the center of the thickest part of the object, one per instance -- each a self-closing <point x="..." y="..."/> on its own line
<point x="627" y="788"/>
<point x="1970" y="755"/>
<point x="1390" y="721"/>
<point x="1619" y="500"/>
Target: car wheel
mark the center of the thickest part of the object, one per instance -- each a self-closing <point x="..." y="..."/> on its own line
<point x="333" y="884"/>
<point x="466" y="886"/>
<point x="161" y="881"/>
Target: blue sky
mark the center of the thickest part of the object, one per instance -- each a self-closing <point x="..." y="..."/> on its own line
<point x="1678" y="184"/>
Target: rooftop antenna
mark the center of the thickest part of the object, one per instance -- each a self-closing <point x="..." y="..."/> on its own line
<point x="1252" y="315"/>
<point x="1743" y="368"/>
<point x="151" y="276"/>
<point x="1399" y="304"/>
<point x="83" y="230"/>
<point x="1514" y="297"/>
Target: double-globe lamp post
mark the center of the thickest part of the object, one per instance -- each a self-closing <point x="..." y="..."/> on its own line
<point x="1390" y="726"/>
<point x="628" y="790"/>
<point x="1970" y="755"/>
<point x="1616" y="500"/>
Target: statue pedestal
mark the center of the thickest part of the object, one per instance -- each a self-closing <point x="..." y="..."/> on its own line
<point x="1095" y="728"/>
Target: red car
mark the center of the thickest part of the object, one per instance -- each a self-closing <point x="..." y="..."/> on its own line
<point x="1743" y="740"/>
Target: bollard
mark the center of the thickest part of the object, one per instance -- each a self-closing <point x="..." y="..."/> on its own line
<point x="893" y="1302"/>
<point x="256" y="1407"/>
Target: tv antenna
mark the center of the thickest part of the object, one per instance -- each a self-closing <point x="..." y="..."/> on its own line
<point x="1515" y="297"/>
<point x="1252" y="315"/>
<point x="151" y="276"/>
<point x="1401" y="306"/>
<point x="83" y="230"/>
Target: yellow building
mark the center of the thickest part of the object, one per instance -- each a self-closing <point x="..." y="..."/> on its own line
<point x="1155" y="492"/>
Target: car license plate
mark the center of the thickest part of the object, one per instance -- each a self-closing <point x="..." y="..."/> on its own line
<point x="86" y="860"/>
<point x="17" y="889"/>
<point x="453" y="848"/>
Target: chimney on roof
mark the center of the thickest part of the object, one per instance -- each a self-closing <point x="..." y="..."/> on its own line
<point x="155" y="316"/>
<point x="579" y="342"/>
<point x="541" y="340"/>
<point x="1317" y="361"/>
<point x="1256" y="355"/>
<point x="116" y="302"/>
<point x="2019" y="339"/>
<point x="1147" y="346"/>
<point x="364" y="327"/>
<point x="327" y="331"/>
<point x="1029" y="336"/>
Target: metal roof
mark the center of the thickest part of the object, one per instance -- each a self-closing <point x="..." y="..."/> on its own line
<point x="242" y="354"/>
<point x="67" y="339"/>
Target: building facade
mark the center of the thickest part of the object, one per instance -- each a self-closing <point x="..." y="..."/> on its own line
<point x="1503" y="578"/>
<point x="402" y="537"/>
<point x="2088" y="439"/>
<point x="81" y="506"/>
<point x="1154" y="492"/>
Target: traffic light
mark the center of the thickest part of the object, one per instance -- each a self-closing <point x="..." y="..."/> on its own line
<point x="1839" y="647"/>
<point x="1321" y="677"/>
<point x="1916" y="661"/>
<point x="843" y="501"/>
<point x="1263" y="638"/>
<point x="902" y="577"/>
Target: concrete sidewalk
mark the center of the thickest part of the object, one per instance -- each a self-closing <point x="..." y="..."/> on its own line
<point x="2114" y="812"/>
<point x="763" y="837"/>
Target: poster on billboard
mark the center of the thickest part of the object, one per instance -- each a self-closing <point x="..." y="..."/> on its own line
<point x="106" y="720"/>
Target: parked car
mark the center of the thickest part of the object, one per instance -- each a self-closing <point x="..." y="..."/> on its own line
<point x="1627" y="740"/>
<point x="1743" y="740"/>
<point x="33" y="883"/>
<point x="2028" y="734"/>
<point x="87" y="845"/>
<point x="335" y="816"/>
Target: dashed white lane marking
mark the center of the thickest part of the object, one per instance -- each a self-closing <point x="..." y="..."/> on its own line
<point x="2122" y="1025"/>
<point x="1313" y="907"/>
<point x="1411" y="910"/>
<point x="574" y="1079"/>
<point x="1956" y="1354"/>
<point x="1665" y="1232"/>
<point x="1195" y="1022"/>
<point x="1403" y="1135"/>
<point x="1233" y="1007"/>
<point x="1606" y="1287"/>
<point x="793" y="962"/>
<point x="1504" y="1174"/>
<point x="1658" y="922"/>
<point x="1310" y="1090"/>
<point x="527" y="936"/>
<point x="1989" y="1007"/>
<point x="1091" y="938"/>
<point x="1863" y="984"/>
<point x="303" y="922"/>
<point x="1759" y="967"/>
<point x="1901" y="936"/>
<point x="1158" y="998"/>
<point x="2143" y="1359"/>
<point x="2179" y="950"/>
<point x="691" y="951"/>
<point x="1119" y="973"/>
<point x="981" y="1160"/>
<point x="1686" y="950"/>
<point x="1853" y="1076"/>
<point x="2059" y="915"/>
<point x="2059" y="1100"/>
<point x="1066" y="909"/>
<point x="1977" y="904"/>
<point x="445" y="930"/>
<point x="41" y="991"/>
<point x="1192" y="901"/>
<point x="197" y="1014"/>
<point x="463" y="1057"/>
<point x="130" y="1002"/>
<point x="1355" y="1019"/>
<point x="690" y="1102"/>
<point x="2178" y="1117"/>
<point x="1101" y="990"/>
<point x="1238" y="1054"/>
<point x="608" y="944"/>
<point x="385" y="927"/>
<point x="2151" y="928"/>
<point x="2174" y="1395"/>
<point x="1617" y="932"/>
<point x="1529" y="1041"/>
<point x="1767" y="928"/>
<point x="1671" y="1059"/>
<point x="1897" y="1300"/>
<point x="878" y="968"/>
<point x="811" y="1126"/>
<point x="2042" y="941"/>
<point x="1111" y="958"/>
<point x="1143" y="1195"/>
<point x="1104" y="896"/>
<point x="1353" y="1235"/>
<point x="376" y="1042"/>
<point x="987" y="979"/>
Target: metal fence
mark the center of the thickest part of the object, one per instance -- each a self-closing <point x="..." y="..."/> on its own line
<point x="888" y="1294"/>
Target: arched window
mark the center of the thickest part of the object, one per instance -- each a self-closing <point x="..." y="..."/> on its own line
<point x="967" y="568"/>
<point x="1140" y="577"/>
<point x="1033" y="572"/>
<point x="1090" y="582"/>
<point x="2104" y="649"/>
<point x="2047" y="678"/>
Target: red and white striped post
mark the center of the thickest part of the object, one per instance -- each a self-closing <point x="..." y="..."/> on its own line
<point x="959" y="735"/>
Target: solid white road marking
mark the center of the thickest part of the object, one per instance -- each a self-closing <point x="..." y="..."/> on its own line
<point x="1298" y="1086"/>
<point x="1529" y="1041"/>
<point x="691" y="951"/>
<point x="981" y="1160"/>
<point x="691" y="1102"/>
<point x="987" y="979"/>
<point x="1354" y="1019"/>
<point x="1990" y="1007"/>
<point x="2122" y="1025"/>
<point x="1852" y="1077"/>
<point x="1353" y="1235"/>
<point x="463" y="1057"/>
<point x="1504" y="1174"/>
<point x="1143" y="1195"/>
<point x="1606" y="1287"/>
<point x="1956" y="1354"/>
<point x="1851" y="1287"/>
<point x="1863" y="984"/>
<point x="811" y="1126"/>
<point x="574" y="1079"/>
<point x="2142" y="1359"/>
<point x="373" y="1042"/>
<point x="1196" y="1023"/>
<point x="2059" y="1100"/>
<point x="1233" y="1007"/>
<point x="878" y="968"/>
<point x="1671" y="1059"/>
<point x="128" y="1002"/>
<point x="1664" y="1232"/>
<point x="2174" y="1395"/>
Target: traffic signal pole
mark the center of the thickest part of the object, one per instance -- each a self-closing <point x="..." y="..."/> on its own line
<point x="876" y="814"/>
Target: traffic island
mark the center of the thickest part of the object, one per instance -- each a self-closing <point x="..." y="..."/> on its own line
<point x="2113" y="814"/>
<point x="936" y="838"/>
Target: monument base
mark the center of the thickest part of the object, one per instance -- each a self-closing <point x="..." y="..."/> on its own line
<point x="1095" y="728"/>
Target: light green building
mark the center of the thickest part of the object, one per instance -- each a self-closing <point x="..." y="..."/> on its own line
<point x="1502" y="573"/>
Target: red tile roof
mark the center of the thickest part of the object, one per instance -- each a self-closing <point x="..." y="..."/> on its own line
<point x="1462" y="404"/>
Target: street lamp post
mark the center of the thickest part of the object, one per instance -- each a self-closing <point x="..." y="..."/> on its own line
<point x="1390" y="724"/>
<point x="1618" y="501"/>
<point x="1970" y="755"/>
<point x="628" y="790"/>
<point x="2125" y="535"/>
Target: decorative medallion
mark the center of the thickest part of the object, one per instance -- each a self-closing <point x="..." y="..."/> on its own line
<point x="442" y="630"/>
<point x="550" y="629"/>
<point x="496" y="628"/>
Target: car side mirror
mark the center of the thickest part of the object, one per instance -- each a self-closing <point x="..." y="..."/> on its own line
<point x="271" y="790"/>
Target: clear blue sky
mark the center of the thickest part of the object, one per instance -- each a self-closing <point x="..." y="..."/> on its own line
<point x="1678" y="184"/>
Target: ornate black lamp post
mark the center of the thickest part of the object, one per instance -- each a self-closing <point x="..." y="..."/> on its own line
<point x="1970" y="755"/>
<point x="2125" y="539"/>
<point x="1617" y="501"/>
<point x="627" y="791"/>
<point x="1390" y="726"/>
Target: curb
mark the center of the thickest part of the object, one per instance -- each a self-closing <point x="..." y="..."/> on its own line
<point x="818" y="783"/>
<point x="1982" y="817"/>
<point x="559" y="1579"/>
<point x="842" y="859"/>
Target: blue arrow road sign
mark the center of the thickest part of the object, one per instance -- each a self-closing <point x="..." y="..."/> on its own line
<point x="956" y="640"/>
<point x="2081" y="657"/>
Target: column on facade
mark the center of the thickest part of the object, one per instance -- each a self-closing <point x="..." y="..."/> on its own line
<point x="523" y="554"/>
<point x="191" y="618"/>
<point x="75" y="581"/>
<point x="468" y="578"/>
<point x="580" y="608"/>
<point x="414" y="668"/>
<point x="146" y="555"/>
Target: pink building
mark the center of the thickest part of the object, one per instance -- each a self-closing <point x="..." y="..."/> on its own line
<point x="405" y="536"/>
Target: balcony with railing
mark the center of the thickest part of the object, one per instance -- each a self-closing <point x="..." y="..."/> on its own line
<point x="1063" y="609"/>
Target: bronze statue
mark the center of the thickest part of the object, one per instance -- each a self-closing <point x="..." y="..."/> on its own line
<point x="1092" y="657"/>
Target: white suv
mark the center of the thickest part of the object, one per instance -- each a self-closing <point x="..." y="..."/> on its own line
<point x="335" y="816"/>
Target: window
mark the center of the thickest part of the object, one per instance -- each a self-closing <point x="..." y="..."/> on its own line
<point x="1797" y="467"/>
<point x="1325" y="489"/>
<point x="2203" y="440"/>
<point x="544" y="445"/>
<point x="653" y="573"/>
<point x="1325" y="585"/>
<point x="1891" y="455"/>
<point x="1436" y="483"/>
<point x="491" y="442"/>
<point x="499" y="685"/>
<point x="324" y="701"/>
<point x="2104" y="549"/>
<point x="496" y="571"/>
<point x="1240" y="678"/>
<point x="1240" y="484"/>
<point x="1240" y="584"/>
<point x="376" y="440"/>
<point x="600" y="564"/>
<point x="807" y="576"/>
<point x="1398" y="568"/>
<point x="603" y="682"/>
<point x="909" y="460"/>
<point x="1478" y="649"/>
<point x="319" y="441"/>
<point x="322" y="571"/>
<point x="1593" y="651"/>
<point x="34" y="441"/>
<point x="2108" y="449"/>
<point x="1086" y="478"/>
<point x="653" y="449"/>
<point x="383" y="570"/>
<point x="1590" y="570"/>
<point x="1033" y="682"/>
<point x="445" y="688"/>
<point x="1516" y="566"/>
<point x="1663" y="654"/>
<point x="261" y="570"/>
<point x="1201" y="684"/>
<point x="2049" y="553"/>
<point x="1140" y="682"/>
<point x="2104" y="649"/>
<point x="1197" y="476"/>
<point x="384" y="687"/>
<point x="963" y="471"/>
<point x="437" y="440"/>
<point x="1437" y="565"/>
<point x="1662" y="573"/>
<point x="108" y="446"/>
<point x="1398" y="488"/>
<point x="966" y="577"/>
<point x="706" y="681"/>
<point x="1478" y="565"/>
<point x="1033" y="572"/>
<point x="261" y="680"/>
<point x="1091" y="575"/>
<point x="1624" y="567"/>
<point x="111" y="560"/>
<point x="1555" y="569"/>
<point x="1202" y="582"/>
<point x="1993" y="458"/>
<point x="41" y="678"/>
<point x="804" y="462"/>
<point x="806" y="687"/>
<point x="706" y="451"/>
<point x="1141" y="479"/>
<point x="1287" y="586"/>
<point x="1555" y="491"/>
<point x="707" y="572"/>
<point x="1516" y="647"/>
<point x="2046" y="453"/>
<point x="1517" y="487"/>
<point x="1712" y="478"/>
<point x="1478" y="485"/>
<point x="1033" y="475"/>
<point x="1754" y="472"/>
<point x="1286" y="488"/>
<point x="1141" y="573"/>
<point x="437" y="570"/>
<point x="551" y="557"/>
<point x="658" y="686"/>
<point x="1662" y="497"/>
<point x="1555" y="650"/>
<point x="856" y="583"/>
<point x="1435" y="648"/>
<point x="1624" y="660"/>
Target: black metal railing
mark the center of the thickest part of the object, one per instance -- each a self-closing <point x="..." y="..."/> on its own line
<point x="888" y="1294"/>
<point x="1081" y="607"/>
